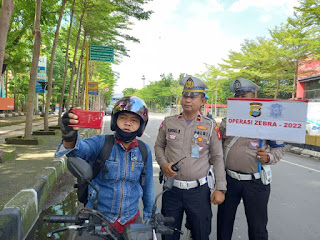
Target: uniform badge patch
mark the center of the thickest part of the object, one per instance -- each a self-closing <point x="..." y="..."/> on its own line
<point x="254" y="144"/>
<point x="200" y="139"/>
<point x="172" y="137"/>
<point x="218" y="132"/>
<point x="161" y="125"/>
<point x="202" y="127"/>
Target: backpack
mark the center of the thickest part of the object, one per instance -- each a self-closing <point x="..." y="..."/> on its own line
<point x="98" y="165"/>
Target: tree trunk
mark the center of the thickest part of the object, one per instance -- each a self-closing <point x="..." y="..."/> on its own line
<point x="5" y="18"/>
<point x="277" y="89"/>
<point x="66" y="64"/>
<point x="294" y="86"/>
<point x="83" y="88"/>
<point x="33" y="71"/>
<point x="74" y="61"/>
<point x="54" y="46"/>
<point x="79" y="73"/>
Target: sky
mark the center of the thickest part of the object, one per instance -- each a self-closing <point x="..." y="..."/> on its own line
<point x="183" y="36"/>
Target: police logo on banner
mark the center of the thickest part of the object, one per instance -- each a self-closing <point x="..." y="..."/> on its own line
<point x="255" y="109"/>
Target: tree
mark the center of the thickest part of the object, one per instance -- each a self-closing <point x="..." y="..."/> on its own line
<point x="66" y="62"/>
<point x="50" y="72"/>
<point x="34" y="70"/>
<point x="74" y="57"/>
<point x="5" y="17"/>
<point x="129" y="91"/>
<point x="296" y="40"/>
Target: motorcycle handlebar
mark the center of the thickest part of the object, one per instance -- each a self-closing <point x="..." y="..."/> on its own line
<point x="60" y="218"/>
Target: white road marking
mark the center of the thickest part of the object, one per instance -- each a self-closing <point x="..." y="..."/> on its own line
<point x="146" y="135"/>
<point x="312" y="169"/>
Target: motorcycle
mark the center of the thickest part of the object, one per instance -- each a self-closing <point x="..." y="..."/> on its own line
<point x="94" y="223"/>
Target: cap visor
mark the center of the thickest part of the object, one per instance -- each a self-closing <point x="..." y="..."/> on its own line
<point x="190" y="94"/>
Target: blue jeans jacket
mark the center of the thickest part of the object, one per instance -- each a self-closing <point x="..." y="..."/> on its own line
<point x="119" y="188"/>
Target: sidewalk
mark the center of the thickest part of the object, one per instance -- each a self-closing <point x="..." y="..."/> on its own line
<point x="26" y="180"/>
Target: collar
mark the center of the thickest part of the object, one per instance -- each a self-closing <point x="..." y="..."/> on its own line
<point x="198" y="118"/>
<point x="133" y="144"/>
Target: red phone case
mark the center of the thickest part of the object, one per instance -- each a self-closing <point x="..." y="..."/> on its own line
<point x="88" y="118"/>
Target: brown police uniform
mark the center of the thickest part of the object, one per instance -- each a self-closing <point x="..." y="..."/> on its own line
<point x="244" y="182"/>
<point x="190" y="192"/>
<point x="175" y="140"/>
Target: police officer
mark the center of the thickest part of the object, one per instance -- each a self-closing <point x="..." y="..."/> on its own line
<point x="197" y="139"/>
<point x="243" y="177"/>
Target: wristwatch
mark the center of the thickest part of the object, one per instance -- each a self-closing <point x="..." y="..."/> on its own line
<point x="223" y="191"/>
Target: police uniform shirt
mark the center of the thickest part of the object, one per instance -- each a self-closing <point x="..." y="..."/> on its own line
<point x="175" y="140"/>
<point x="242" y="156"/>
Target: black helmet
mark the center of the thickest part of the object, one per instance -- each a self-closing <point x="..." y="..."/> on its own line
<point x="134" y="105"/>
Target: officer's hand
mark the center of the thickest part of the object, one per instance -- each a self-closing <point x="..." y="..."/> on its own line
<point x="262" y="155"/>
<point x="167" y="171"/>
<point x="217" y="197"/>
<point x="69" y="134"/>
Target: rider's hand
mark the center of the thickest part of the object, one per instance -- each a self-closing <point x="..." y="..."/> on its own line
<point x="69" y="134"/>
<point x="217" y="197"/>
<point x="167" y="171"/>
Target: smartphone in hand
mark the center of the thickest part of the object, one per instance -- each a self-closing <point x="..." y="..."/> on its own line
<point x="88" y="118"/>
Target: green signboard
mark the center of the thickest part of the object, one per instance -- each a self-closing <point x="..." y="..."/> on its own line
<point x="101" y="53"/>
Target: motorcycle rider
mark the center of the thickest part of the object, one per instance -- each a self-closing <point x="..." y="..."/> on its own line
<point x="119" y="187"/>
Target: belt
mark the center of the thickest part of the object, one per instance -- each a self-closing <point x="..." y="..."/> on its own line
<point x="189" y="184"/>
<point x="240" y="176"/>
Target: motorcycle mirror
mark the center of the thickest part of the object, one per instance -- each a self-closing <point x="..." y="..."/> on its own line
<point x="79" y="168"/>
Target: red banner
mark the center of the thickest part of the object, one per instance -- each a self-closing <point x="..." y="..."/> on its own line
<point x="6" y="103"/>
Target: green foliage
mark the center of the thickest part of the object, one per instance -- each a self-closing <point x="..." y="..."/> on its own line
<point x="129" y="92"/>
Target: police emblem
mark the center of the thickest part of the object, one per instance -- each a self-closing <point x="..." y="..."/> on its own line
<point x="189" y="83"/>
<point x="255" y="109"/>
<point x="236" y="84"/>
<point x="276" y="110"/>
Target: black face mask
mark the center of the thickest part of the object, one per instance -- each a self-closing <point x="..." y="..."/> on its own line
<point x="125" y="136"/>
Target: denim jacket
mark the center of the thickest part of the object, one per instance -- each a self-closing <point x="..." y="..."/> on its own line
<point x="119" y="187"/>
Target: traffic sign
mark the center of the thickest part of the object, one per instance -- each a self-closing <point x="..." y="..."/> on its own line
<point x="107" y="89"/>
<point x="101" y="53"/>
<point x="93" y="88"/>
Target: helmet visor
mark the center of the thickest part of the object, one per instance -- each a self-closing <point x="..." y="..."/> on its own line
<point x="132" y="104"/>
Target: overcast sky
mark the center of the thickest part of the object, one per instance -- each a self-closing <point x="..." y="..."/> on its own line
<point x="183" y="35"/>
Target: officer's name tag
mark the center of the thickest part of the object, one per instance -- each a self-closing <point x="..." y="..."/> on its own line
<point x="195" y="151"/>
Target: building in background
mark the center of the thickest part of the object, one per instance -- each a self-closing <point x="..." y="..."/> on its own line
<point x="308" y="87"/>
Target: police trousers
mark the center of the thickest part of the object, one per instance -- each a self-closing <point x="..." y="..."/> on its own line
<point x="195" y="202"/>
<point x="255" y="197"/>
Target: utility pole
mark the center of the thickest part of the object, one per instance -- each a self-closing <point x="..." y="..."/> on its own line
<point x="87" y="78"/>
<point x="215" y="105"/>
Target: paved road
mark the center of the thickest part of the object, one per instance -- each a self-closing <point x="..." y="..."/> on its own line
<point x="294" y="211"/>
<point x="293" y="207"/>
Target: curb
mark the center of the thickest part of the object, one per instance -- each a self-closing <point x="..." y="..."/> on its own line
<point x="19" y="215"/>
<point x="302" y="151"/>
<point x="3" y="115"/>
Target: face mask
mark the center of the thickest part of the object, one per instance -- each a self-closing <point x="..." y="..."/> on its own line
<point x="125" y="136"/>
